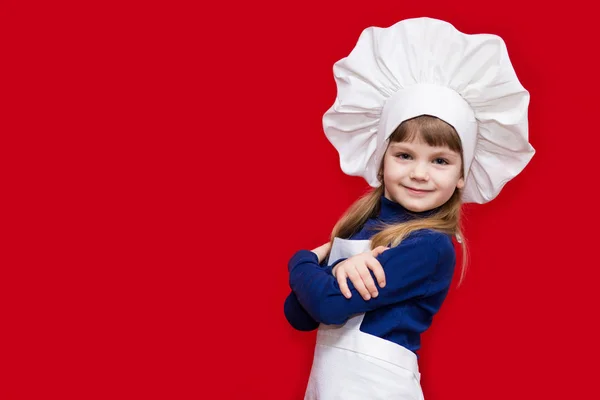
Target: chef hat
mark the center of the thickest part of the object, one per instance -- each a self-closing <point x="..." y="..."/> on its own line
<point x="424" y="66"/>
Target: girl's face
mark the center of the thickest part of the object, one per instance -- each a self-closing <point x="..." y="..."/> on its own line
<point x="421" y="177"/>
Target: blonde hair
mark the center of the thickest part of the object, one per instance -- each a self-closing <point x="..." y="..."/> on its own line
<point x="447" y="219"/>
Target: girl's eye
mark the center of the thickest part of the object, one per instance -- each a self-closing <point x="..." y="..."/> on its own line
<point x="403" y="156"/>
<point x="441" y="161"/>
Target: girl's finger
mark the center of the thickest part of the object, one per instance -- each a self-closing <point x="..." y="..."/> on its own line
<point x="342" y="281"/>
<point x="375" y="266"/>
<point x="367" y="279"/>
<point x="358" y="283"/>
<point x="378" y="250"/>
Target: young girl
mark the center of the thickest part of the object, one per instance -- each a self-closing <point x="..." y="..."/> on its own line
<point x="431" y="118"/>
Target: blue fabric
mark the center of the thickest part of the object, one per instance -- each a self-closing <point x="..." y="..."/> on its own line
<point x="418" y="275"/>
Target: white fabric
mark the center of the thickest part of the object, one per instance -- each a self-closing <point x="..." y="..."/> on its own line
<point x="352" y="365"/>
<point x="424" y="66"/>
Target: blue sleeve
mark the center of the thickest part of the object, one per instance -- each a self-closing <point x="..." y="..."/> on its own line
<point x="419" y="266"/>
<point x="295" y="314"/>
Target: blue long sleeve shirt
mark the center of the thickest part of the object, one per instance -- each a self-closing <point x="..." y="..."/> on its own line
<point x="418" y="275"/>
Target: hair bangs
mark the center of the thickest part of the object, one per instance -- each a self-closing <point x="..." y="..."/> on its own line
<point x="430" y="130"/>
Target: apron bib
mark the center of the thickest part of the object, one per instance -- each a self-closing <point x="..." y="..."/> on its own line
<point x="352" y="365"/>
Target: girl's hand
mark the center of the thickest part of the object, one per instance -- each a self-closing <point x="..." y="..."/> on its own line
<point x="357" y="269"/>
<point x="322" y="251"/>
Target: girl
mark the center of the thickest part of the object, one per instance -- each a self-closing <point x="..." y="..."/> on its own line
<point x="431" y="118"/>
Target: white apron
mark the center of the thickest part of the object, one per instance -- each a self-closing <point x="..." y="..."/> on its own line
<point x="352" y="365"/>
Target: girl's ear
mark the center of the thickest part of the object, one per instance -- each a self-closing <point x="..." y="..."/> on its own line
<point x="460" y="184"/>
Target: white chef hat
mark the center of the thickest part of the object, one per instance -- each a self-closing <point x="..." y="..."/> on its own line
<point x="424" y="66"/>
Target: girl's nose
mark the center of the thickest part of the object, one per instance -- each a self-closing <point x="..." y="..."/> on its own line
<point x="419" y="173"/>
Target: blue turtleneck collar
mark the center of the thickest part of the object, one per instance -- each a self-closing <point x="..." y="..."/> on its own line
<point x="392" y="212"/>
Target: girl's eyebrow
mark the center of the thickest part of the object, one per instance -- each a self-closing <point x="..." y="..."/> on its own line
<point x="400" y="144"/>
<point x="446" y="153"/>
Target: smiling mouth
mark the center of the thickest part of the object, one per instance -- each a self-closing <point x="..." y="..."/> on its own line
<point x="417" y="190"/>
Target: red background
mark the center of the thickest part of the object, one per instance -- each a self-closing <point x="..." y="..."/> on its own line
<point x="161" y="161"/>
